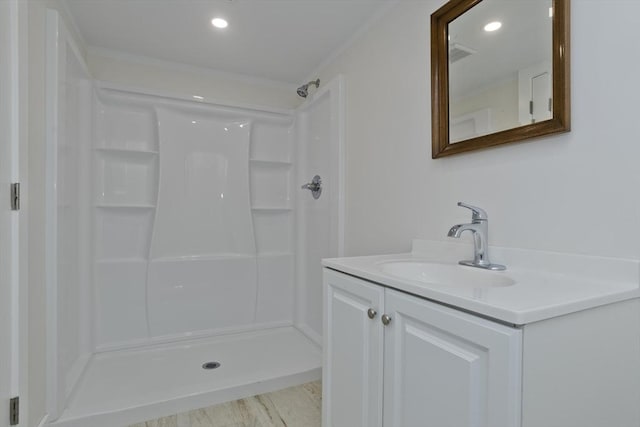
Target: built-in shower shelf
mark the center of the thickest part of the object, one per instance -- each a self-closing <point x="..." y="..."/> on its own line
<point x="276" y="163"/>
<point x="270" y="209"/>
<point x="124" y="206"/>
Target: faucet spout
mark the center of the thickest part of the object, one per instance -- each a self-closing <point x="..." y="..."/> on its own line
<point x="457" y="230"/>
<point x="480" y="230"/>
<point x="479" y="227"/>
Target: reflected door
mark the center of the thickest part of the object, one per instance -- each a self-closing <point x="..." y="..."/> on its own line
<point x="541" y="97"/>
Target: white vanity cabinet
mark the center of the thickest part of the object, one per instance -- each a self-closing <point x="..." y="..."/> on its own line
<point x="425" y="365"/>
<point x="563" y="349"/>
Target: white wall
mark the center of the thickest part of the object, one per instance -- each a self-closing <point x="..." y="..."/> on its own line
<point x="577" y="192"/>
<point x="172" y="78"/>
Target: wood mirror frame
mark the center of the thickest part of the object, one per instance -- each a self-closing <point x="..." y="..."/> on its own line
<point x="561" y="115"/>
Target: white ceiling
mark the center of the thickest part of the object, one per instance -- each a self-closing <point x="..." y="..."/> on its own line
<point x="281" y="40"/>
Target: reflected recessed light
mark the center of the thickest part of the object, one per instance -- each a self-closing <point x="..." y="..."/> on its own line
<point x="198" y="97"/>
<point x="492" y="26"/>
<point x="219" y="23"/>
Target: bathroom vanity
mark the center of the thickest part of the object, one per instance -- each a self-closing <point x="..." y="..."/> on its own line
<point x="418" y="340"/>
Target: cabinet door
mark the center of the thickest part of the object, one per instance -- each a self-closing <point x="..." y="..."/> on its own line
<point x="446" y="368"/>
<point x="352" y="352"/>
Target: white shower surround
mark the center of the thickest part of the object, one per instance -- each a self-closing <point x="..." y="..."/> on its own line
<point x="194" y="220"/>
<point x="202" y="244"/>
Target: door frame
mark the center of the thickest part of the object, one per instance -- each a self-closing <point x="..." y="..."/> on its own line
<point x="14" y="104"/>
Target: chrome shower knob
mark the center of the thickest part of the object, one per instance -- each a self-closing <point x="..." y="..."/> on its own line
<point x="315" y="186"/>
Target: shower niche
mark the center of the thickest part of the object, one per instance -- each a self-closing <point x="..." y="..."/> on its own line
<point x="193" y="221"/>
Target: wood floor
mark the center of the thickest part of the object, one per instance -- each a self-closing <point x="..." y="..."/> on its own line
<point x="291" y="407"/>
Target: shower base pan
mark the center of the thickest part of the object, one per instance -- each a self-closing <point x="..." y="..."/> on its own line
<point x="125" y="387"/>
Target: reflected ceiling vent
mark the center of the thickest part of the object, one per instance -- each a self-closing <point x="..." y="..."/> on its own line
<point x="458" y="51"/>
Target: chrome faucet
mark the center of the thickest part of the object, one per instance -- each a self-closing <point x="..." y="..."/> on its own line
<point x="479" y="226"/>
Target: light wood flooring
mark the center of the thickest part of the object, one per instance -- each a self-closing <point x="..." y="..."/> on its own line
<point x="298" y="406"/>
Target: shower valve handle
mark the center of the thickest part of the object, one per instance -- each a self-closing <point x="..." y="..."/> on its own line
<point x="312" y="186"/>
<point x="315" y="186"/>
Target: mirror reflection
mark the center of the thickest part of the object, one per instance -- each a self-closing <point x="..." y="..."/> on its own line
<point x="500" y="67"/>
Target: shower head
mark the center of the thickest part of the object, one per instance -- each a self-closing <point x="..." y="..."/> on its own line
<point x="303" y="90"/>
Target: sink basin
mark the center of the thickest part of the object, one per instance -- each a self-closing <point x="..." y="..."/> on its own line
<point x="446" y="274"/>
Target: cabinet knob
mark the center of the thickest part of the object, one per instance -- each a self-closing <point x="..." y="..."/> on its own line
<point x="371" y="313"/>
<point x="386" y="319"/>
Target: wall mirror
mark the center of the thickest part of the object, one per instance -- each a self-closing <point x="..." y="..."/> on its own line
<point x="499" y="72"/>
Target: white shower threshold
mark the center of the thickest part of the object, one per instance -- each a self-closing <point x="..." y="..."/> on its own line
<point x="123" y="387"/>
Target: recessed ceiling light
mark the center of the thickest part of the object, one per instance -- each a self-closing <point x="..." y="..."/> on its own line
<point x="219" y="23"/>
<point x="493" y="26"/>
<point x="198" y="97"/>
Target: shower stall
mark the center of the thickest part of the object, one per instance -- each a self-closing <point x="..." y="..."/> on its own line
<point x="183" y="257"/>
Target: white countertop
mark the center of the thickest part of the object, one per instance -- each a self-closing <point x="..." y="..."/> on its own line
<point x="546" y="284"/>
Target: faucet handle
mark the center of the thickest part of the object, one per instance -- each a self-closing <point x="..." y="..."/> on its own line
<point x="476" y="213"/>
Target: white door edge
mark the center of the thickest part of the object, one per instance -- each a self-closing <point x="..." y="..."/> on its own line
<point x="12" y="373"/>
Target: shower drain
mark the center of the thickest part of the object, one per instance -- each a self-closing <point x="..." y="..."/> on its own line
<point x="211" y="365"/>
